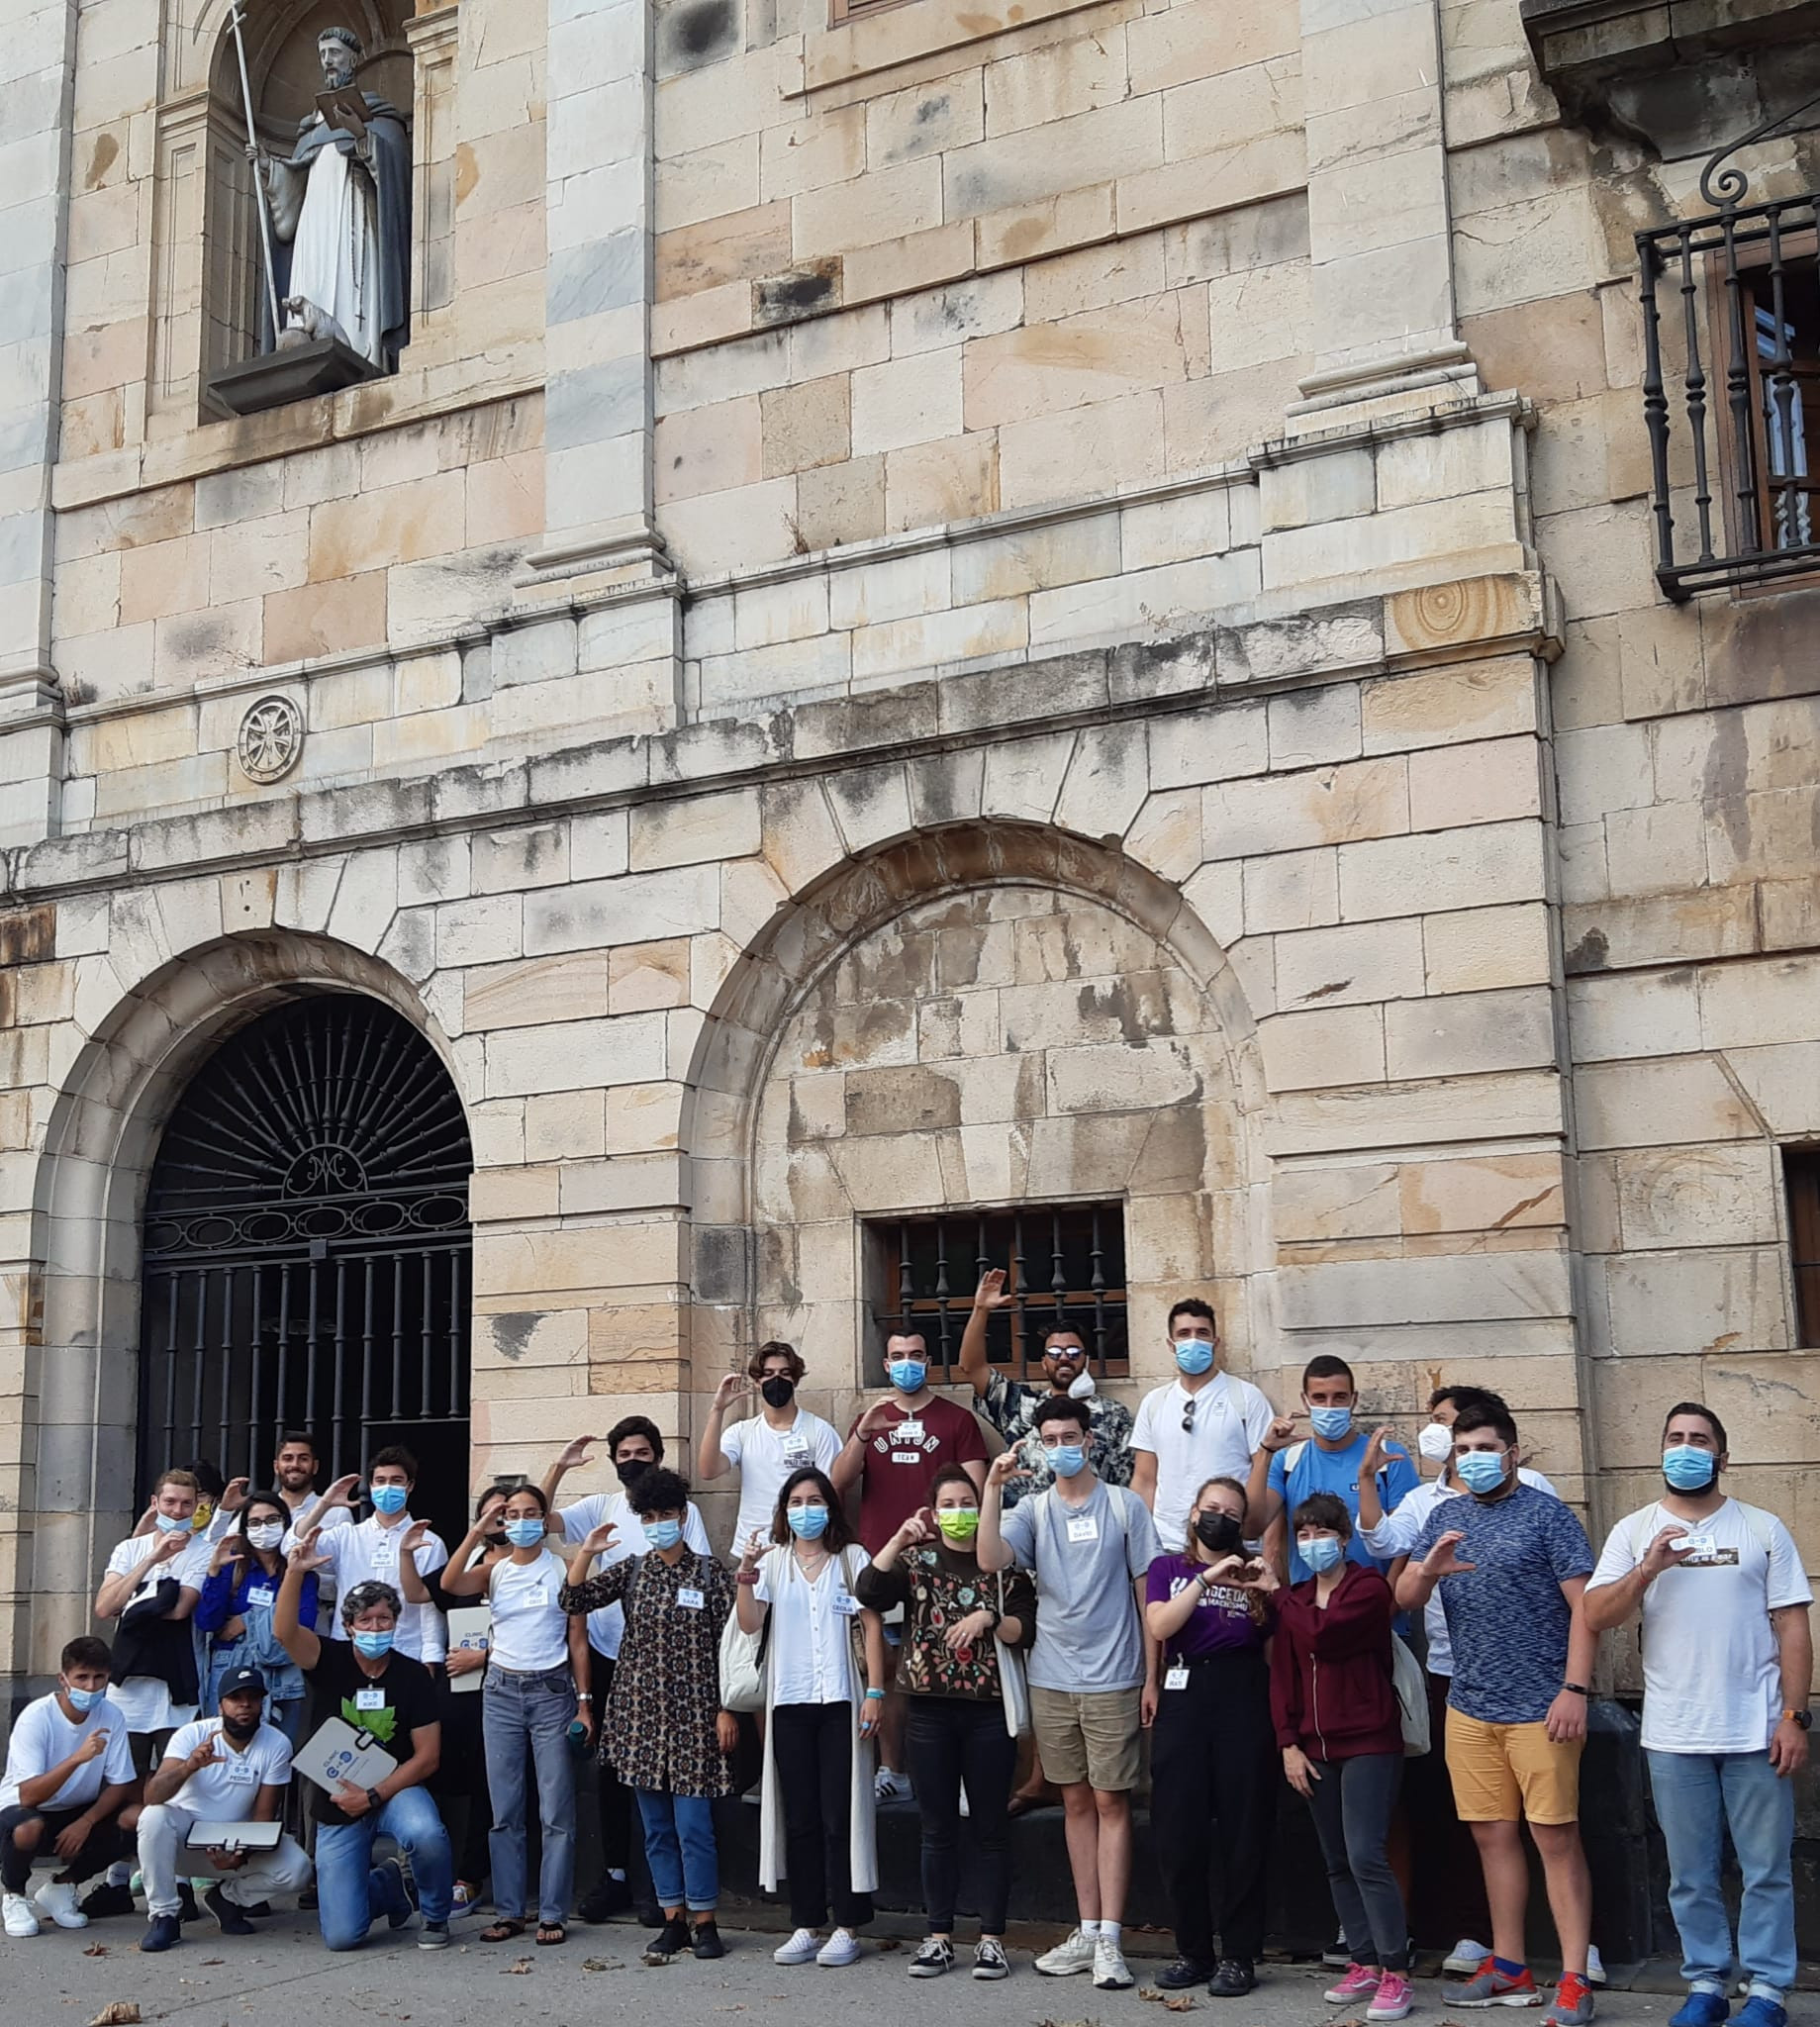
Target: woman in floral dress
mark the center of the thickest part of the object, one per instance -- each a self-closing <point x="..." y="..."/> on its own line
<point x="664" y="1732"/>
<point x="949" y="1668"/>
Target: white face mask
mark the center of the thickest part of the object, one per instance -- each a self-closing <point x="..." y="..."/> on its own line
<point x="267" y="1534"/>
<point x="1082" y="1387"/>
<point x="1436" y="1442"/>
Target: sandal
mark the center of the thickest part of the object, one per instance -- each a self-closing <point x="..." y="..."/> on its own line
<point x="502" y="1930"/>
<point x="549" y="1933"/>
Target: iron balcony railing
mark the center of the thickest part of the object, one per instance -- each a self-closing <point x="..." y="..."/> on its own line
<point x="1730" y="331"/>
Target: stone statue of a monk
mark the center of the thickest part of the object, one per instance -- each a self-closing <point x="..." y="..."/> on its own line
<point x="340" y="211"/>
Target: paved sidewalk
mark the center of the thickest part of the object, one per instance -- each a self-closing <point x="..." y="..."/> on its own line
<point x="285" y="1976"/>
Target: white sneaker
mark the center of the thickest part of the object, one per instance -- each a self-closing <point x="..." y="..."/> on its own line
<point x="889" y="1786"/>
<point x="1110" y="1971"/>
<point x="56" y="1901"/>
<point x="1466" y="1959"/>
<point x="16" y="1914"/>
<point x="840" y="1950"/>
<point x="800" y="1948"/>
<point x="1069" y="1958"/>
<point x="1596" y="1967"/>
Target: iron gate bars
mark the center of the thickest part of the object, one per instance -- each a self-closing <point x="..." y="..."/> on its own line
<point x="306" y="1244"/>
<point x="1064" y="1264"/>
<point x="1731" y="311"/>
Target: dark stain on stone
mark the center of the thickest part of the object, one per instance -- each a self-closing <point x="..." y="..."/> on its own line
<point x="1591" y="953"/>
<point x="106" y="155"/>
<point x="1722" y="785"/>
<point x="1325" y="992"/>
<point x="28" y="935"/>
<point x="704" y="30"/>
<point x="805" y="291"/>
<point x="511" y="1331"/>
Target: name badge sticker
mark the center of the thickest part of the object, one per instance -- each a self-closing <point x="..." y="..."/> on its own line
<point x="908" y="1431"/>
<point x="1084" y="1527"/>
<point x="369" y="1699"/>
<point x="846" y="1605"/>
<point x="385" y="1555"/>
<point x="690" y="1600"/>
<point x="243" y="1771"/>
<point x="1177" y="1677"/>
<point x="263" y="1593"/>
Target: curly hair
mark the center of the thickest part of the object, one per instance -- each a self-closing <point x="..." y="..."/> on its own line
<point x="364" y="1596"/>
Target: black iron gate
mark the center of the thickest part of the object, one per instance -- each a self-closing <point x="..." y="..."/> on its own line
<point x="307" y="1251"/>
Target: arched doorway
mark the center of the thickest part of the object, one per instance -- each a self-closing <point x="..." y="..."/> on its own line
<point x="307" y="1253"/>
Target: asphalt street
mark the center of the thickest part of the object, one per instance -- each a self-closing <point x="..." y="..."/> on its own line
<point x="284" y="1975"/>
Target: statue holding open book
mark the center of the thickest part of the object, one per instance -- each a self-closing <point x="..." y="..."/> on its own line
<point x="338" y="220"/>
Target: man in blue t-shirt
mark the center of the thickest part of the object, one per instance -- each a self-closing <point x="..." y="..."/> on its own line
<point x="1512" y="1565"/>
<point x="1285" y="1471"/>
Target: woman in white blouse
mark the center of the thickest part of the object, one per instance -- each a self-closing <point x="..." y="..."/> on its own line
<point x="538" y="1674"/>
<point x="824" y="1691"/>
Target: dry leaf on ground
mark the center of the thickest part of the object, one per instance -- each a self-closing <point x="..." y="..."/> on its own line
<point x="121" y="2013"/>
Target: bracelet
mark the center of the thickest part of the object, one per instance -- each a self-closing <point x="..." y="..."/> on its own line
<point x="871" y="1694"/>
<point x="745" y="1576"/>
<point x="584" y="1697"/>
<point x="1576" y="1688"/>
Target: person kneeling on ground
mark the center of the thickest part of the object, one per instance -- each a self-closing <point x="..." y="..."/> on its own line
<point x="231" y="1769"/>
<point x="68" y="1789"/>
<point x="373" y="1688"/>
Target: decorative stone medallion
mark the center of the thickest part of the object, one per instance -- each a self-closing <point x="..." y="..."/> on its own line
<point x="271" y="739"/>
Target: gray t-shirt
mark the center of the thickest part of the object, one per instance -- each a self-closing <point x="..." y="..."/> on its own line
<point x="1084" y="1558"/>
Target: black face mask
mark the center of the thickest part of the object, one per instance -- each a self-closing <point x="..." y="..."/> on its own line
<point x="1219" y="1534"/>
<point x="630" y="1472"/>
<point x="778" y="1389"/>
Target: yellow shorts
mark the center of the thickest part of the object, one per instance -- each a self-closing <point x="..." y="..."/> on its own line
<point x="1088" y="1735"/>
<point x="1503" y="1773"/>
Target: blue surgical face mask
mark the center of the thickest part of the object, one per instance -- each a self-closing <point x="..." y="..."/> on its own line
<point x="1066" y="1459"/>
<point x="389" y="1499"/>
<point x="82" y="1700"/>
<point x="526" y="1533"/>
<point x="1688" y="1469"/>
<point x="1331" y="1422"/>
<point x="375" y="1646"/>
<point x="1322" y="1552"/>
<point x="808" y="1523"/>
<point x="172" y="1524"/>
<point x="908" y="1375"/>
<point x="667" y="1533"/>
<point x="1194" y="1355"/>
<point x="1480" y="1470"/>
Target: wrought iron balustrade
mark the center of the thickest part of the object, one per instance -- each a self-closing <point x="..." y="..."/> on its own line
<point x="1731" y="382"/>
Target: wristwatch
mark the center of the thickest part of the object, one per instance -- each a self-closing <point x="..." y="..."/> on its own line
<point x="374" y="1800"/>
<point x="1576" y="1688"/>
<point x="1804" y="1718"/>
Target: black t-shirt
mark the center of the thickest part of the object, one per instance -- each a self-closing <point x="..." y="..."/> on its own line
<point x="408" y="1701"/>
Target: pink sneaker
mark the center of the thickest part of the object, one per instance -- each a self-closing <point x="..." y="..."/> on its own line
<point x="1394" y="1999"/>
<point x="1361" y="1982"/>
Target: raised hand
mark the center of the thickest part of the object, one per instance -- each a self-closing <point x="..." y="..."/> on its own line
<point x="1280" y="1433"/>
<point x="234" y="1496"/>
<point x="1378" y="1449"/>
<point x="1441" y="1561"/>
<point x="305" y="1555"/>
<point x="229" y="1549"/>
<point x="575" y="1454"/>
<point x="415" y="1534"/>
<point x="1661" y="1553"/>
<point x="92" y="1747"/>
<point x="601" y="1540"/>
<point x="991" y="1293"/>
<point x="342" y="1492"/>
<point x="732" y="1387"/>
<point x="1006" y="1467"/>
<point x="752" y="1554"/>
<point x="170" y="1546"/>
<point x="918" y="1528"/>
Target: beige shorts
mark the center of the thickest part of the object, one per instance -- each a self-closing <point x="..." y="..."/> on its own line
<point x="1504" y="1773"/>
<point x="1088" y="1735"/>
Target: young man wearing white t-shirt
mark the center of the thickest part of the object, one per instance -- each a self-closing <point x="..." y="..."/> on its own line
<point x="634" y="1445"/>
<point x="368" y="1551"/>
<point x="68" y="1789"/>
<point x="156" y="1685"/>
<point x="1728" y="1664"/>
<point x="1205" y="1423"/>
<point x="231" y="1769"/>
<point x="767" y="1446"/>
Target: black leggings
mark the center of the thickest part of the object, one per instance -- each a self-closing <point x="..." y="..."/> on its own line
<point x="952" y="1739"/>
<point x="105" y="1843"/>
<point x="812" y="1747"/>
<point x="1213" y="1760"/>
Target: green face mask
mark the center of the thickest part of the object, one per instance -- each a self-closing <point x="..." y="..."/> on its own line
<point x="959" y="1524"/>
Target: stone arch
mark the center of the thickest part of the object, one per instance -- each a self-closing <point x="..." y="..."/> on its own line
<point x="760" y="1177"/>
<point x="101" y="1138"/>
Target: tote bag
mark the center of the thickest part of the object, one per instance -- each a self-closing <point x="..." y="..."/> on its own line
<point x="1012" y="1686"/>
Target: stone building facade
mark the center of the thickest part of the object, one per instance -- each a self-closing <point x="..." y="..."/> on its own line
<point x="952" y="610"/>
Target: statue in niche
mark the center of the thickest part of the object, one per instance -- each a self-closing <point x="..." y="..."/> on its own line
<point x="339" y="217"/>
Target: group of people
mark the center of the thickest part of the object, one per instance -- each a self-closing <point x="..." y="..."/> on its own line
<point x="901" y="1614"/>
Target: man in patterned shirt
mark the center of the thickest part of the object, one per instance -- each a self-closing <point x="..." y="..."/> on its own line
<point x="1010" y="1405"/>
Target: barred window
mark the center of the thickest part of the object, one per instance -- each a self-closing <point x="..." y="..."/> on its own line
<point x="1064" y="1266"/>
<point x="1801" y="1172"/>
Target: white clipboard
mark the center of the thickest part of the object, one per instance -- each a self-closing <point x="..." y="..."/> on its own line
<point x="470" y="1628"/>
<point x="206" y="1836"/>
<point x="339" y="1753"/>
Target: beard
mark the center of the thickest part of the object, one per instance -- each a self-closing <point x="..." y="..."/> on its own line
<point x="236" y="1730"/>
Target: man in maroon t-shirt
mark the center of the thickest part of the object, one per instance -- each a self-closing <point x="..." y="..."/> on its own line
<point x="893" y="1451"/>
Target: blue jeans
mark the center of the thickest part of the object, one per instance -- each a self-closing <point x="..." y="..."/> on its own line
<point x="352" y="1893"/>
<point x="679" y="1848"/>
<point x="538" y="1709"/>
<point x="1698" y="1795"/>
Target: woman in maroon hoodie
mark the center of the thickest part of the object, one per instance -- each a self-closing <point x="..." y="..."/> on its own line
<point x="1334" y="1705"/>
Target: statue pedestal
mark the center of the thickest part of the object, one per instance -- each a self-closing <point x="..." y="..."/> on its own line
<point x="323" y="366"/>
